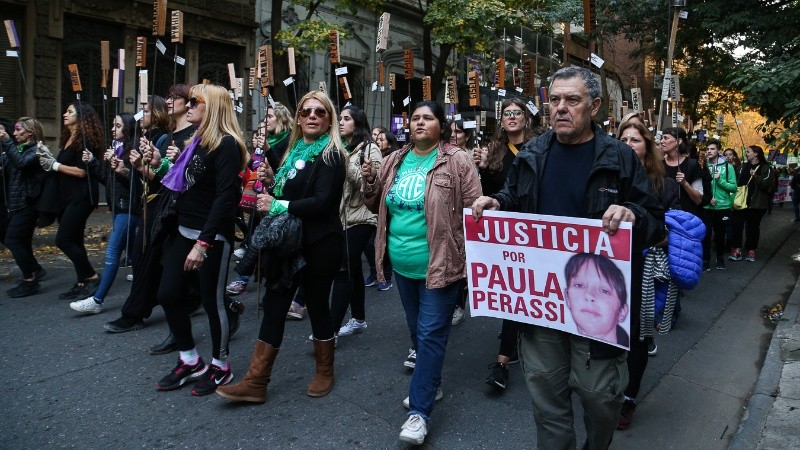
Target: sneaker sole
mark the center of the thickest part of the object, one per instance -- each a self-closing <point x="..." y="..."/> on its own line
<point x="412" y="440"/>
<point x="385" y="288"/>
<point x="192" y="377"/>
<point x="229" y="292"/>
<point x="294" y="316"/>
<point x="27" y="294"/>
<point x="116" y="330"/>
<point x="495" y="383"/>
<point x="85" y="311"/>
<point x="410" y="365"/>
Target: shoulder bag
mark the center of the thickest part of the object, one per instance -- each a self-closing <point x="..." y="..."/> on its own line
<point x="740" y="200"/>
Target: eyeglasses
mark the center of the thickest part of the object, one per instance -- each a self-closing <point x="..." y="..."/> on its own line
<point x="512" y="112"/>
<point x="319" y="112"/>
<point x="194" y="101"/>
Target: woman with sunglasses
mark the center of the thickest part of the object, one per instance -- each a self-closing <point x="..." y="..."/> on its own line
<point x="308" y="184"/>
<point x="359" y="223"/>
<point x="419" y="195"/>
<point x="77" y="191"/>
<point x="196" y="253"/>
<point x="25" y="178"/>
<point x="147" y="268"/>
<point x="493" y="164"/>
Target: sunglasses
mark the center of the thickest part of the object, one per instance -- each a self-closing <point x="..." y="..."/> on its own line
<point x="194" y="101"/>
<point x="319" y="112"/>
<point x="512" y="112"/>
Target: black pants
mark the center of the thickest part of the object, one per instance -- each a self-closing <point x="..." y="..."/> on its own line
<point x="210" y="278"/>
<point x="348" y="284"/>
<point x="748" y="220"/>
<point x="716" y="222"/>
<point x="637" y="363"/>
<point x="323" y="258"/>
<point x="70" y="237"/>
<point x="369" y="252"/>
<point x="19" y="239"/>
<point x="508" y="338"/>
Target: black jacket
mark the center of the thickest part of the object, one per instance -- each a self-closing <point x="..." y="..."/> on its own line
<point x="616" y="178"/>
<point x="118" y="188"/>
<point x="24" y="174"/>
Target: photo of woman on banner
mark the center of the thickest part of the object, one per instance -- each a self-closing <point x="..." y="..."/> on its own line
<point x="597" y="298"/>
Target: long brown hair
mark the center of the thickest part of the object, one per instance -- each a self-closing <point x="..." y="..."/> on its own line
<point x="653" y="158"/>
<point x="88" y="126"/>
<point x="499" y="143"/>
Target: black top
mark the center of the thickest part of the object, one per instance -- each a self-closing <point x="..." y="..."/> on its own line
<point x="275" y="153"/>
<point x="75" y="189"/>
<point x="209" y="204"/>
<point x="316" y="199"/>
<point x="492" y="182"/>
<point x="181" y="137"/>
<point x="565" y="173"/>
<point x="691" y="172"/>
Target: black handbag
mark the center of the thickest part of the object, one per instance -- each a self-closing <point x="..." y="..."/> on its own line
<point x="283" y="232"/>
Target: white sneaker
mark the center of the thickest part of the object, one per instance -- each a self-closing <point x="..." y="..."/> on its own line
<point x="459" y="315"/>
<point x="353" y="326"/>
<point x="414" y="430"/>
<point x="87" y="306"/>
<point x="239" y="252"/>
<point x="129" y="277"/>
<point x="439" y="396"/>
<point x="296" y="311"/>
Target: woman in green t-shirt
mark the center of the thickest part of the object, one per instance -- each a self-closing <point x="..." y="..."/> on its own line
<point x="419" y="195"/>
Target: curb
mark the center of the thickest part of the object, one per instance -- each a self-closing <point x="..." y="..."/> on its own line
<point x="751" y="428"/>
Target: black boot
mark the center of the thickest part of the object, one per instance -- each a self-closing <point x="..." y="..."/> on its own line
<point x="168" y="346"/>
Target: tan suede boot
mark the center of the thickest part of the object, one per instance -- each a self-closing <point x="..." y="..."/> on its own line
<point x="322" y="383"/>
<point x="253" y="387"/>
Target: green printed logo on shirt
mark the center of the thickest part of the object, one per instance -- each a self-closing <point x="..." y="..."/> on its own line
<point x="405" y="201"/>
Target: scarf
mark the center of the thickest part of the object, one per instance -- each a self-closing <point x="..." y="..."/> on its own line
<point x="175" y="179"/>
<point x="300" y="156"/>
<point x="275" y="139"/>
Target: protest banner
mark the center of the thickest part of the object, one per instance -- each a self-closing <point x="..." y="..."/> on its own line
<point x="563" y="273"/>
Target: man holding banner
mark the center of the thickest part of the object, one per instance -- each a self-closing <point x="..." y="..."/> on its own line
<point x="595" y="177"/>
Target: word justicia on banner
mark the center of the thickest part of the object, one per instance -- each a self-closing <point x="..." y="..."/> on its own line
<point x="563" y="273"/>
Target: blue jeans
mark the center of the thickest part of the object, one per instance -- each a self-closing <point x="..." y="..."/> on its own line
<point x="116" y="243"/>
<point x="429" y="315"/>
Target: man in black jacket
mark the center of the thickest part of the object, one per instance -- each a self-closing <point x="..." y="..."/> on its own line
<point x="593" y="176"/>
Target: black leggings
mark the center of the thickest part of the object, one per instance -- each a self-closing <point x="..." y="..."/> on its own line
<point x="69" y="238"/>
<point x="323" y="258"/>
<point x="19" y="239"/>
<point x="348" y="284"/>
<point x="210" y="279"/>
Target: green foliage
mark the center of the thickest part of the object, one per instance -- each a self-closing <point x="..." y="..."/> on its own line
<point x="308" y="36"/>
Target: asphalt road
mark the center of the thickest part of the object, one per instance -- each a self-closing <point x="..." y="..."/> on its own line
<point x="70" y="384"/>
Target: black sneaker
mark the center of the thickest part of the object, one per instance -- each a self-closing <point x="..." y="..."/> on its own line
<point x="652" y="347"/>
<point x="24" y="289"/>
<point x="498" y="377"/>
<point x="411" y="359"/>
<point x="721" y="264"/>
<point x="89" y="287"/>
<point x="74" y="293"/>
<point x="39" y="274"/>
<point x="215" y="377"/>
<point x="706" y="266"/>
<point x="182" y="374"/>
<point x="123" y="324"/>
